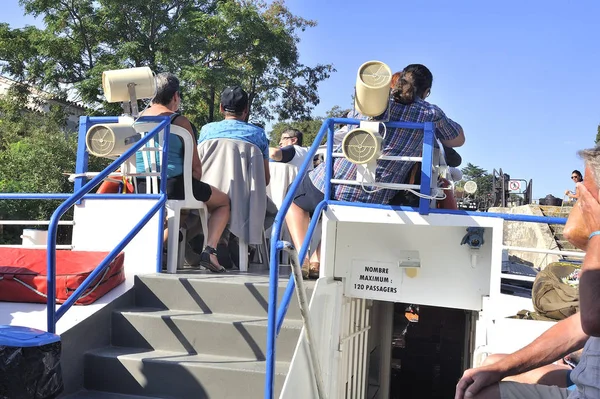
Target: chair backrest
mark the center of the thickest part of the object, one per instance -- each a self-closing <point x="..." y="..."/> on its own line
<point x="236" y="167"/>
<point x="152" y="163"/>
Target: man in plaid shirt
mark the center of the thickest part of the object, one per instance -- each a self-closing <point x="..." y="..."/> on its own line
<point x="407" y="104"/>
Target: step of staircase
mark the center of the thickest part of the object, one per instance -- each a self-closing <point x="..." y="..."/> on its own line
<point x="230" y="293"/>
<point x="194" y="335"/>
<point x="176" y="375"/>
<point x="193" y="332"/>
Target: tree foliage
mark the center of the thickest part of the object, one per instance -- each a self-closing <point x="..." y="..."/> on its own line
<point x="483" y="179"/>
<point x="598" y="136"/>
<point x="209" y="43"/>
<point x="35" y="151"/>
<point x="309" y="127"/>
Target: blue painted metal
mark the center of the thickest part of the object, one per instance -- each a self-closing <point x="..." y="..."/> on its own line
<point x="274" y="265"/>
<point x="33" y="196"/>
<point x="110" y="257"/>
<point x="505" y="216"/>
<point x="81" y="164"/>
<point x="277" y="315"/>
<point x="40" y="196"/>
<point x="285" y="301"/>
<point x="164" y="122"/>
<point x="328" y="166"/>
<point x="275" y="320"/>
<point x="428" y="138"/>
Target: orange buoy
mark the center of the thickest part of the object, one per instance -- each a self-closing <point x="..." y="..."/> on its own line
<point x="113" y="187"/>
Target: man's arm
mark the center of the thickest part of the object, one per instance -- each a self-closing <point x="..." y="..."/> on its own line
<point x="196" y="164"/>
<point x="275" y="154"/>
<point x="589" y="280"/>
<point x="284" y="154"/>
<point x="564" y="337"/>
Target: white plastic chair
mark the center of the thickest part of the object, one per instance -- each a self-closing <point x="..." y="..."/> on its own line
<point x="175" y="248"/>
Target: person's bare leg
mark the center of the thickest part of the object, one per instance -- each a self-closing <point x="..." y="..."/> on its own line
<point x="316" y="256"/>
<point x="551" y="374"/>
<point x="219" y="210"/>
<point x="297" y="220"/>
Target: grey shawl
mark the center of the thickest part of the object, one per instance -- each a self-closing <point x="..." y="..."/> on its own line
<point x="237" y="168"/>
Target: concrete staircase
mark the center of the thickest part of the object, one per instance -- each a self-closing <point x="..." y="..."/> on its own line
<point x="557" y="229"/>
<point x="191" y="336"/>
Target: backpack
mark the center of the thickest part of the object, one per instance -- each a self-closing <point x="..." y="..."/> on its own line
<point x="552" y="298"/>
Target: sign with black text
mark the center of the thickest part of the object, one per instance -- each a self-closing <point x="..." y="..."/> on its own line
<point x="379" y="280"/>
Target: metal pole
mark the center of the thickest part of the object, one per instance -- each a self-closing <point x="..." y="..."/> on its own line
<point x="304" y="311"/>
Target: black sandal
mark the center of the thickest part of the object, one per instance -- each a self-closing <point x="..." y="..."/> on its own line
<point x="206" y="262"/>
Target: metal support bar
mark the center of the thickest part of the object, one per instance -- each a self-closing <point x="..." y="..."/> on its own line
<point x="392" y="186"/>
<point x="354" y="334"/>
<point x="35" y="222"/>
<point x="426" y="163"/>
<point x="304" y="311"/>
<point x="35" y="246"/>
<point x="545" y="251"/>
<point x="386" y="157"/>
<point x="133" y="100"/>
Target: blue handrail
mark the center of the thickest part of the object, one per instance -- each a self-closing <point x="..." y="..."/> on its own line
<point x="82" y="192"/>
<point x="277" y="315"/>
<point x="54" y="315"/>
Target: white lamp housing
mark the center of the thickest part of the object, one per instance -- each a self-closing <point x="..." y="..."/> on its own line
<point x="116" y="84"/>
<point x="373" y="88"/>
<point x="110" y="140"/>
<point x="362" y="146"/>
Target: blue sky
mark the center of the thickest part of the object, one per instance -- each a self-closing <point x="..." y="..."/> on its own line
<point x="521" y="77"/>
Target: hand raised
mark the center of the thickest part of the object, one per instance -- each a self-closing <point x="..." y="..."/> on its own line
<point x="590" y="208"/>
<point x="475" y="380"/>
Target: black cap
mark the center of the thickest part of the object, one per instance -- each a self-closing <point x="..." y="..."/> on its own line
<point x="234" y="99"/>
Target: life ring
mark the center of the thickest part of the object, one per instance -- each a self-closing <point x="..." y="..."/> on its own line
<point x="449" y="202"/>
<point x="114" y="187"/>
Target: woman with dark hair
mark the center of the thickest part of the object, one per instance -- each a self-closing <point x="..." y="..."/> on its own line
<point x="453" y="158"/>
<point x="166" y="102"/>
<point x="577" y="177"/>
<point x="406" y="104"/>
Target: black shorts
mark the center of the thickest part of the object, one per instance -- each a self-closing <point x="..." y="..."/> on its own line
<point x="201" y="190"/>
<point x="307" y="196"/>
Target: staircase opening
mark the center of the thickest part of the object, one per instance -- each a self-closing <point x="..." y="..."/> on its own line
<point x="430" y="350"/>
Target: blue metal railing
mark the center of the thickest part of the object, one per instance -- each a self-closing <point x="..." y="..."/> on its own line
<point x="276" y="315"/>
<point x="81" y="192"/>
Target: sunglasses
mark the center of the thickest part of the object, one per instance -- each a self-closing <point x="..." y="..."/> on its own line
<point x="574" y="177"/>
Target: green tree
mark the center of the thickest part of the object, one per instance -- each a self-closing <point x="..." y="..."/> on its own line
<point x="480" y="176"/>
<point x="309" y="127"/>
<point x="598" y="136"/>
<point x="35" y="154"/>
<point x="208" y="43"/>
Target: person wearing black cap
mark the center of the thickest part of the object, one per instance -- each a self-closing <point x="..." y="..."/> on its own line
<point x="234" y="107"/>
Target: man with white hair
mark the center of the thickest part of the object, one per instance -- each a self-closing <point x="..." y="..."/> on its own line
<point x="582" y="330"/>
